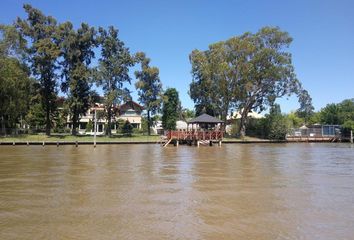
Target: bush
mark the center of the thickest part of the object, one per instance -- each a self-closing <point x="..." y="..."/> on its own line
<point x="127" y="129"/>
<point x="138" y="131"/>
<point x="347" y="127"/>
<point x="235" y="127"/>
<point x="278" y="128"/>
<point x="119" y="124"/>
<point x="89" y="126"/>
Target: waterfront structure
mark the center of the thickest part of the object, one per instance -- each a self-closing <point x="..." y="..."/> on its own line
<point x="315" y="132"/>
<point x="129" y="111"/>
<point x="202" y="130"/>
<point x="158" y="129"/>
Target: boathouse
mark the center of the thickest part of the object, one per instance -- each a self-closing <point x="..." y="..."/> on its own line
<point x="202" y="130"/>
<point x="315" y="133"/>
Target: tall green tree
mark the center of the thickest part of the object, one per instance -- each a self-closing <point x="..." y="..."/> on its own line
<point x="248" y="72"/>
<point x="12" y="44"/>
<point x="14" y="92"/>
<point x="270" y="73"/>
<point x="330" y="114"/>
<point x="77" y="52"/>
<point x="35" y="116"/>
<point x="216" y="75"/>
<point x="14" y="78"/>
<point x="170" y="109"/>
<point x="338" y="113"/>
<point x="306" y="110"/>
<point x="43" y="49"/>
<point x="200" y="90"/>
<point x="113" y="70"/>
<point x="276" y="124"/>
<point x="149" y="87"/>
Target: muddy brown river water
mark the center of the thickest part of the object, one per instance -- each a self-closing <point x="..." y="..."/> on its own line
<point x="249" y="191"/>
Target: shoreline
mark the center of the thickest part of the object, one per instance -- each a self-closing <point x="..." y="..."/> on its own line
<point x="77" y="143"/>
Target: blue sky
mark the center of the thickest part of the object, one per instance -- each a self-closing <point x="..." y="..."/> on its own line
<point x="167" y="31"/>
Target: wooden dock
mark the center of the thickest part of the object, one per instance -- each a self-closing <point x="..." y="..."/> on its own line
<point x="194" y="137"/>
<point x="313" y="139"/>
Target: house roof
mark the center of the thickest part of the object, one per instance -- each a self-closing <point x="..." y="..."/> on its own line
<point x="205" y="118"/>
<point x="131" y="105"/>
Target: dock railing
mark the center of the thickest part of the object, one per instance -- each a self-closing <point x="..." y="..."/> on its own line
<point x="195" y="135"/>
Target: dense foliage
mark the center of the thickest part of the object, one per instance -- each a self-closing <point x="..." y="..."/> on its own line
<point x="77" y="53"/>
<point x="58" y="54"/>
<point x="149" y="87"/>
<point x="244" y="73"/>
<point x="247" y="72"/>
<point x="43" y="49"/>
<point x="170" y="109"/>
<point x="113" y="71"/>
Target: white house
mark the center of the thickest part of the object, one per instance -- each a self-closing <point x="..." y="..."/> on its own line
<point x="130" y="111"/>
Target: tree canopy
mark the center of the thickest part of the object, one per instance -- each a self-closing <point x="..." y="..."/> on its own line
<point x="149" y="87"/>
<point x="170" y="109"/>
<point x="113" y="70"/>
<point x="43" y="49"/>
<point x="247" y="72"/>
<point x="77" y="53"/>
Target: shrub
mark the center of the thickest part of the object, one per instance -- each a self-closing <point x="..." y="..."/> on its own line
<point x="127" y="129"/>
<point x="89" y="126"/>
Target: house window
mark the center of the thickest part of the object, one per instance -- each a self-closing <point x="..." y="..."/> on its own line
<point x="130" y="112"/>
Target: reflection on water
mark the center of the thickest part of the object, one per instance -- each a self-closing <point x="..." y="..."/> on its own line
<point x="264" y="191"/>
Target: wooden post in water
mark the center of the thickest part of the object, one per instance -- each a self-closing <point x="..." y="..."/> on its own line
<point x="95" y="128"/>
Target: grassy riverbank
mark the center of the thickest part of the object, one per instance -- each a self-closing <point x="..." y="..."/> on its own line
<point x="136" y="138"/>
<point x="245" y="139"/>
<point x="85" y="138"/>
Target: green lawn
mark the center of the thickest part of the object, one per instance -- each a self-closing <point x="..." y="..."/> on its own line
<point x="113" y="138"/>
<point x="70" y="138"/>
<point x="245" y="139"/>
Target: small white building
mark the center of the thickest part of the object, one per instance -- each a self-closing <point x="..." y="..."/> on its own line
<point x="237" y="115"/>
<point x="158" y="129"/>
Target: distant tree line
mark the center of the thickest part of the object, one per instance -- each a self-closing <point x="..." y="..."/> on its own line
<point x="40" y="57"/>
<point x="276" y="125"/>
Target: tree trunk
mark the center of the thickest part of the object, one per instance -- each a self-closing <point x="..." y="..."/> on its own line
<point x="3" y="129"/>
<point x="224" y="116"/>
<point x="74" y="119"/>
<point x="109" y="121"/>
<point x="243" y="122"/>
<point x="47" y="120"/>
<point x="148" y="116"/>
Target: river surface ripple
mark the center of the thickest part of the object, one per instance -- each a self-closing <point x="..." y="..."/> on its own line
<point x="237" y="191"/>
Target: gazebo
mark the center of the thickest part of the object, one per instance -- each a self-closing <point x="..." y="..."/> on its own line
<point x="205" y="130"/>
<point x="206" y="122"/>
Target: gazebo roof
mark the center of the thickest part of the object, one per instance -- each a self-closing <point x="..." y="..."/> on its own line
<point x="205" y="118"/>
